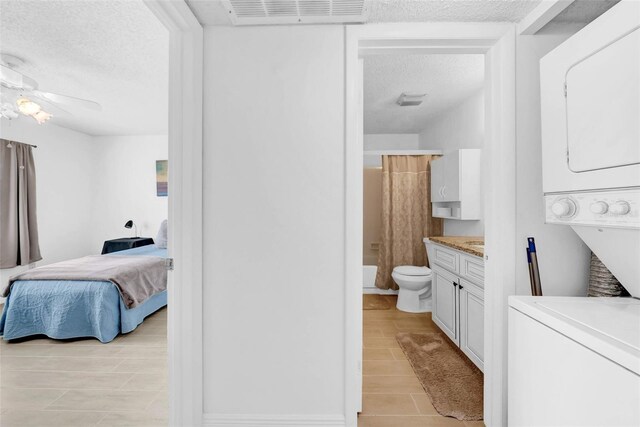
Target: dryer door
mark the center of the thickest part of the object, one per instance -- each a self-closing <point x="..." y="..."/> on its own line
<point x="603" y="107"/>
<point x="591" y="131"/>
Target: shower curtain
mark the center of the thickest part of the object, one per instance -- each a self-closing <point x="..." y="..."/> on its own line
<point x="18" y="223"/>
<point x="406" y="215"/>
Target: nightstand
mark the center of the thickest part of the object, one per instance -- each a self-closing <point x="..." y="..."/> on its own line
<point x="116" y="245"/>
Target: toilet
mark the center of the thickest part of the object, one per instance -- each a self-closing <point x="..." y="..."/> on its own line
<point x="414" y="295"/>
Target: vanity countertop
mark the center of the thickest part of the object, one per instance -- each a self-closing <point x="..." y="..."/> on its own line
<point x="473" y="245"/>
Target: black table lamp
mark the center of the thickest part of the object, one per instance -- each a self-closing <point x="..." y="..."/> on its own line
<point x="129" y="224"/>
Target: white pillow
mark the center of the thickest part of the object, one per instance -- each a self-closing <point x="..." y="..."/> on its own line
<point x="161" y="238"/>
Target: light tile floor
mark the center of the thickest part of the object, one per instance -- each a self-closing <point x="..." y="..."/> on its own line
<point x="46" y="382"/>
<point x="392" y="395"/>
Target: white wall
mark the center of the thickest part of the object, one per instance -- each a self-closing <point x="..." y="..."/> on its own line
<point x="391" y="141"/>
<point x="459" y="127"/>
<point x="387" y="141"/>
<point x="562" y="255"/>
<point x="274" y="223"/>
<point x="64" y="178"/>
<point x="125" y="186"/>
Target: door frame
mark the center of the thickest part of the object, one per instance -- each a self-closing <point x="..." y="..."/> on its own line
<point x="184" y="328"/>
<point x="497" y="42"/>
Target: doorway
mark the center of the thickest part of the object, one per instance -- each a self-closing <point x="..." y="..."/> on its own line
<point x="102" y="182"/>
<point x="496" y="43"/>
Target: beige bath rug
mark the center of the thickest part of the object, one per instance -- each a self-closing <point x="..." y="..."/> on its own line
<point x="454" y="384"/>
<point x="378" y="302"/>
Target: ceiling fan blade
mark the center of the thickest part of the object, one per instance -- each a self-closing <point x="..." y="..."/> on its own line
<point x="68" y="100"/>
<point x="15" y="80"/>
<point x="47" y="104"/>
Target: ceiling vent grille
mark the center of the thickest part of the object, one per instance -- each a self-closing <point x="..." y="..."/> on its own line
<point x="279" y="12"/>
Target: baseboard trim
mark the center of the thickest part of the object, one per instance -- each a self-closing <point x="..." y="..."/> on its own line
<point x="232" y="420"/>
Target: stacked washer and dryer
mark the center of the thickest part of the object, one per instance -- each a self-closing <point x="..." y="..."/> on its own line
<point x="576" y="360"/>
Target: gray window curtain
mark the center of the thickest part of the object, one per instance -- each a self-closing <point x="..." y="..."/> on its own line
<point x="18" y="221"/>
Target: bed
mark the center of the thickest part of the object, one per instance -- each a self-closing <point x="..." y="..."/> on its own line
<point x="73" y="309"/>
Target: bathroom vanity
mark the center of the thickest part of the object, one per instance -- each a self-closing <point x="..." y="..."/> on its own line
<point x="458" y="291"/>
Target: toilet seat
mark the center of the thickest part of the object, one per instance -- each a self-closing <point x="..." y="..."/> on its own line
<point x="412" y="270"/>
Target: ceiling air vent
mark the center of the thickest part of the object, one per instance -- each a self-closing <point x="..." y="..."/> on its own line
<point x="275" y="12"/>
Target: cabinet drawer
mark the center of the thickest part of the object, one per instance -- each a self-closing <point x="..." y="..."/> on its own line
<point x="446" y="258"/>
<point x="472" y="268"/>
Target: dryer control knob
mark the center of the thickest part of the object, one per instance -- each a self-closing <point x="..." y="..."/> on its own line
<point x="620" y="208"/>
<point x="563" y="208"/>
<point x="599" y="208"/>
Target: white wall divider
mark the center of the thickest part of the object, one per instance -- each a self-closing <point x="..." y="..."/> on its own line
<point x="499" y="164"/>
<point x="185" y="210"/>
<point x="274" y="224"/>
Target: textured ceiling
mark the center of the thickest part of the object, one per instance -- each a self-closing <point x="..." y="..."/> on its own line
<point x="450" y="10"/>
<point x="211" y="12"/>
<point x="446" y="79"/>
<point x="112" y="52"/>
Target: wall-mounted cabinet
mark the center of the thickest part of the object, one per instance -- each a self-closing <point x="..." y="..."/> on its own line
<point x="456" y="190"/>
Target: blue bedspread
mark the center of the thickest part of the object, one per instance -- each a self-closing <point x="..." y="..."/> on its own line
<point x="72" y="309"/>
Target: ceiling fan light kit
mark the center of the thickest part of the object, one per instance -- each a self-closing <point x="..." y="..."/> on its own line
<point x="27" y="106"/>
<point x="32" y="109"/>
<point x="26" y="88"/>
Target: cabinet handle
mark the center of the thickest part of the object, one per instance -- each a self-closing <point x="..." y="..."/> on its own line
<point x="455" y="284"/>
<point x="461" y="287"/>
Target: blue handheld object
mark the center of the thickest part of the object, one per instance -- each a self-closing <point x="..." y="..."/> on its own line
<point x="535" y="271"/>
<point x="532" y="280"/>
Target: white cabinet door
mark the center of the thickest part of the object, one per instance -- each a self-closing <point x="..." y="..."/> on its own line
<point x="437" y="179"/>
<point x="445" y="290"/>
<point x="472" y="322"/>
<point x="451" y="189"/>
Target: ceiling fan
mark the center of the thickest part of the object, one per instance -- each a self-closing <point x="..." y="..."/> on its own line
<point x="20" y="94"/>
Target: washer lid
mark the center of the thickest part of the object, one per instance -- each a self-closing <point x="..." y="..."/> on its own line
<point x="608" y="326"/>
<point x="411" y="270"/>
<point x="618" y="319"/>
